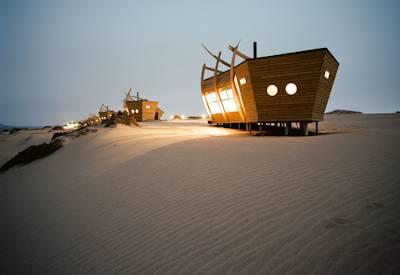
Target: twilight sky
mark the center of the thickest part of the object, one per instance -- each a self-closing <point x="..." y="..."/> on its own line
<point x="60" y="60"/>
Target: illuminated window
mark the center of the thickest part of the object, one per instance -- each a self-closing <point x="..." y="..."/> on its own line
<point x="212" y="97"/>
<point x="272" y="90"/>
<point x="223" y="95"/>
<point x="206" y="105"/>
<point x="326" y="74"/>
<point x="147" y="106"/>
<point x="291" y="89"/>
<point x="237" y="87"/>
<point x="228" y="100"/>
<point x="242" y="81"/>
<point x="137" y="111"/>
<point x="213" y="103"/>
<point x="133" y="111"/>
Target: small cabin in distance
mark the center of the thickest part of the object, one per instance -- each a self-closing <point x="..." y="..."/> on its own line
<point x="142" y="109"/>
<point x="93" y="120"/>
<point x="105" y="113"/>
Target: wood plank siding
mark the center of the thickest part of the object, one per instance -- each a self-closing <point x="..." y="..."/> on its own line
<point x="305" y="69"/>
<point x="144" y="110"/>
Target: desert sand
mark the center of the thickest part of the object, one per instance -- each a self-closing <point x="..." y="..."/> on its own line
<point x="183" y="197"/>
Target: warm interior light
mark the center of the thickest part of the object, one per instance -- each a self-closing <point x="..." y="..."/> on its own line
<point x="326" y="74"/>
<point x="214" y="108"/>
<point x="211" y="97"/>
<point x="272" y="90"/>
<point x="230" y="105"/>
<point x="137" y="111"/>
<point x="237" y="87"/>
<point x="242" y="81"/>
<point x="133" y="111"/>
<point x="205" y="105"/>
<point x="291" y="89"/>
<point x="228" y="101"/>
<point x="230" y="93"/>
<point x="147" y="106"/>
<point x="203" y="116"/>
<point x="213" y="103"/>
<point x="223" y="95"/>
<point x="71" y="125"/>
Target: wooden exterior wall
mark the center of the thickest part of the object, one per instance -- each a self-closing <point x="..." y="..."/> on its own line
<point x="246" y="90"/>
<point x="325" y="86"/>
<point x="146" y="110"/>
<point x="107" y="115"/>
<point x="149" y="110"/>
<point x="304" y="69"/>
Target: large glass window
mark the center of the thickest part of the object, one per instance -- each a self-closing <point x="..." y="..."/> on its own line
<point x="213" y="103"/>
<point x="228" y="101"/>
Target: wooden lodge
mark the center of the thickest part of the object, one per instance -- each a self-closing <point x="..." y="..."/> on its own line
<point x="142" y="109"/>
<point x="105" y="113"/>
<point x="286" y="90"/>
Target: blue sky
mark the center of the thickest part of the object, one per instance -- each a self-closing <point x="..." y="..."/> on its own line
<point x="60" y="60"/>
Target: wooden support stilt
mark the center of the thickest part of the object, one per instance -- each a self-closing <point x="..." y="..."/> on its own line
<point x="316" y="127"/>
<point x="305" y="128"/>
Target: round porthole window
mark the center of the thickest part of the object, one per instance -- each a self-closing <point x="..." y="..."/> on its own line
<point x="272" y="90"/>
<point x="291" y="89"/>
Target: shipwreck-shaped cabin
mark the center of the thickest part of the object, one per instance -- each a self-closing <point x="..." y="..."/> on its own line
<point x="93" y="120"/>
<point x="105" y="113"/>
<point x="274" y="90"/>
<point x="142" y="109"/>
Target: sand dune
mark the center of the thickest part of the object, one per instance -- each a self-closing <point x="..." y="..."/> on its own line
<point x="182" y="198"/>
<point x="10" y="145"/>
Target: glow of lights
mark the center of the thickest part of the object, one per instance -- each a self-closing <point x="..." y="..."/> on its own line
<point x="133" y="111"/>
<point x="326" y="74"/>
<point x="228" y="101"/>
<point x="291" y="89"/>
<point x="137" y="111"/>
<point x="213" y="103"/>
<point x="242" y="81"/>
<point x="272" y="90"/>
<point x="147" y="106"/>
<point x="71" y="125"/>
<point x="171" y="117"/>
<point x="223" y="95"/>
<point x="230" y="93"/>
<point x="205" y="105"/>
<point x="211" y="97"/>
<point x="237" y="87"/>
<point x="214" y="108"/>
<point x="183" y="117"/>
<point x="230" y="105"/>
<point x="203" y="116"/>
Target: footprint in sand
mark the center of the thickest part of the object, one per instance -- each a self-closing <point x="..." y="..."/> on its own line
<point x="375" y="205"/>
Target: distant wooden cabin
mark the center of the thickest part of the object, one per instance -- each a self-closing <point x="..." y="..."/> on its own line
<point x="93" y="120"/>
<point x="105" y="113"/>
<point x="142" y="109"/>
<point x="272" y="90"/>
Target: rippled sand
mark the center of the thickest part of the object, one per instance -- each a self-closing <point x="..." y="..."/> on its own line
<point x="182" y="197"/>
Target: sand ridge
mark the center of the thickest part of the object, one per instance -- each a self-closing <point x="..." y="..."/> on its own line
<point x="182" y="198"/>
